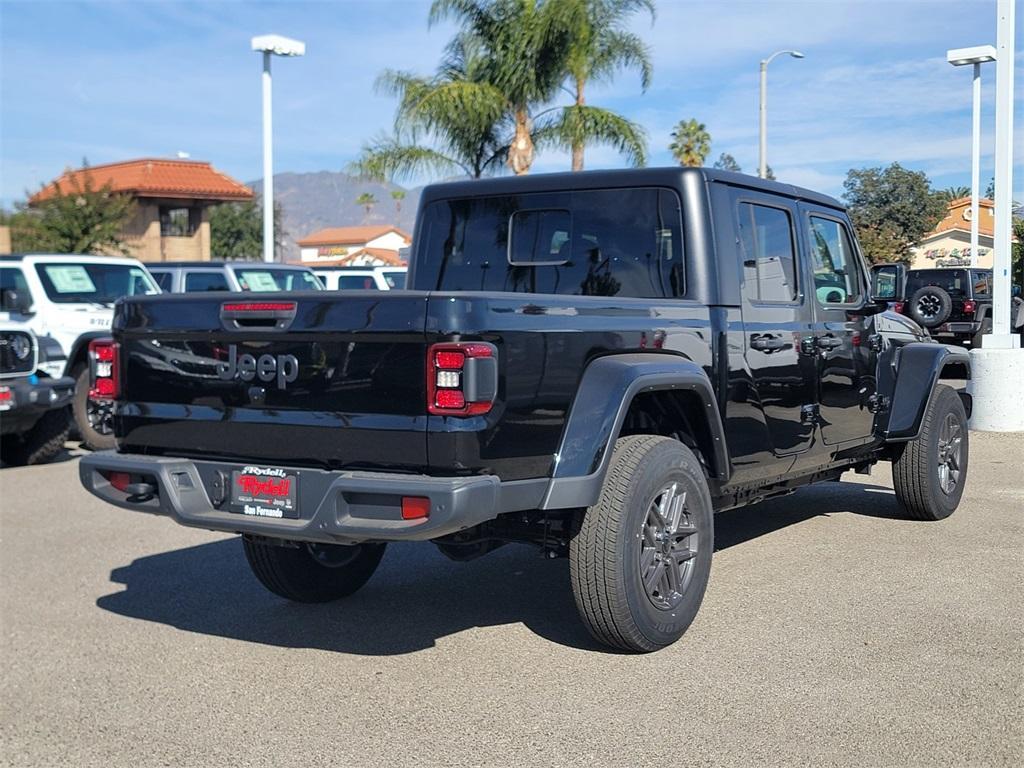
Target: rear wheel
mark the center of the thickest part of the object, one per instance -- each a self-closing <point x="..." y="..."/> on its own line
<point x="93" y="418"/>
<point x="930" y="472"/>
<point x="312" y="573"/>
<point x="45" y="440"/>
<point x="641" y="559"/>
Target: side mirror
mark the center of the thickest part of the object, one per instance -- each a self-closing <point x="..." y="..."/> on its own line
<point x="17" y="301"/>
<point x="887" y="282"/>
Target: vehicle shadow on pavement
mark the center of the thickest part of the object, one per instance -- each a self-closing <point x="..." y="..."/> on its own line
<point x="417" y="595"/>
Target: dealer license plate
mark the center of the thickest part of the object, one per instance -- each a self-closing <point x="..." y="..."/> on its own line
<point x="264" y="492"/>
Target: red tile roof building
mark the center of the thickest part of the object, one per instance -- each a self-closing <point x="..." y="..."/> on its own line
<point x="171" y="222"/>
<point x="367" y="246"/>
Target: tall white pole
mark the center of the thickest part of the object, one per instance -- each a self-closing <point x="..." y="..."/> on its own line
<point x="1001" y="337"/>
<point x="762" y="166"/>
<point x="975" y="164"/>
<point x="268" y="164"/>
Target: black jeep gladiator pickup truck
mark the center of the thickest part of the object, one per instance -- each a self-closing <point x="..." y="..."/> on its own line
<point x="593" y="363"/>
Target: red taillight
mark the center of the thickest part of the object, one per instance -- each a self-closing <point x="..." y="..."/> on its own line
<point x="897" y="306"/>
<point x="462" y="378"/>
<point x="969" y="307"/>
<point x="258" y="306"/>
<point x="104" y="367"/>
<point x="415" y="507"/>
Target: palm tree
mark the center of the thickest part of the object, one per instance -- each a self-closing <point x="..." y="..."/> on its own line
<point x="599" y="46"/>
<point x="520" y="46"/>
<point x="367" y="200"/>
<point x="454" y="123"/>
<point x="727" y="162"/>
<point x="398" y="195"/>
<point x="949" y="194"/>
<point x="691" y="143"/>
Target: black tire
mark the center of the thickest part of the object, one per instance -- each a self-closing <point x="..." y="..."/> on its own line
<point x="44" y="441"/>
<point x="607" y="555"/>
<point x="922" y="487"/>
<point x="96" y="434"/>
<point x="930" y="306"/>
<point x="312" y="573"/>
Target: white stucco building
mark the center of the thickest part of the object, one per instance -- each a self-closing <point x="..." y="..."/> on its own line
<point x="368" y="246"/>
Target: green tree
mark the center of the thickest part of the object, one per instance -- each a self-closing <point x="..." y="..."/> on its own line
<point x="769" y="173"/>
<point x="1017" y="253"/>
<point x="367" y="200"/>
<point x="949" y="194"/>
<point x="691" y="143"/>
<point x="236" y="231"/>
<point x="76" y="218"/>
<point x="520" y="47"/>
<point x="398" y="195"/>
<point x="727" y="162"/>
<point x="599" y="46"/>
<point x="892" y="209"/>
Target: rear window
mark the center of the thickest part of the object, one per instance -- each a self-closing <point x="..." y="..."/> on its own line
<point x="71" y="283"/>
<point x="265" y="280"/>
<point x="621" y="242"/>
<point x="953" y="281"/>
<point x="356" y="283"/>
<point x="395" y="279"/>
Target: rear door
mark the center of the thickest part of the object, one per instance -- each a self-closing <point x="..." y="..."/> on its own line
<point x="842" y="338"/>
<point x="304" y="379"/>
<point x="776" y="316"/>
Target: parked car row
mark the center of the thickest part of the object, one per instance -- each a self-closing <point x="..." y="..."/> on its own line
<point x="54" y="305"/>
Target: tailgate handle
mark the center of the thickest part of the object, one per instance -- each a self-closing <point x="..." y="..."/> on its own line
<point x="265" y="315"/>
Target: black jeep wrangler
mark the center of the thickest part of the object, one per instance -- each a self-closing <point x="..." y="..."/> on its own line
<point x="592" y="363"/>
<point x="953" y="303"/>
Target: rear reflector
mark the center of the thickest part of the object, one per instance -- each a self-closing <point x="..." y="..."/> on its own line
<point x="415" y="507"/>
<point x="120" y="480"/>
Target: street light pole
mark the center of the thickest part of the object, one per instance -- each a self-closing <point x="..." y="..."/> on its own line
<point x="976" y="56"/>
<point x="271" y="45"/>
<point x="268" y="162"/>
<point x="762" y="168"/>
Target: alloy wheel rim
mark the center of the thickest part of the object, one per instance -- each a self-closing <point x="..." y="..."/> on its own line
<point x="669" y="542"/>
<point x="928" y="306"/>
<point x="949" y="454"/>
<point x="100" y="416"/>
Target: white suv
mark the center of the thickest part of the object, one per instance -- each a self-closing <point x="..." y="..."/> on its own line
<point x="362" y="278"/>
<point x="70" y="298"/>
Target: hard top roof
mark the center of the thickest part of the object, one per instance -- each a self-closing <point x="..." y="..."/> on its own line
<point x="633" y="177"/>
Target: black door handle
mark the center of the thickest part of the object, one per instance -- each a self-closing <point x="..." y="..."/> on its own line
<point x="828" y="342"/>
<point x="768" y="343"/>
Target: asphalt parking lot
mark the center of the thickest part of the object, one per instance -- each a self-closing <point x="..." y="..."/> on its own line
<point x="833" y="633"/>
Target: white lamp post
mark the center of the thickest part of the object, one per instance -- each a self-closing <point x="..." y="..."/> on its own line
<point x="997" y="368"/>
<point x="271" y="45"/>
<point x="977" y="56"/>
<point x="763" y="164"/>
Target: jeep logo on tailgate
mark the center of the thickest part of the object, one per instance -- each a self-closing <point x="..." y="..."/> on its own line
<point x="283" y="368"/>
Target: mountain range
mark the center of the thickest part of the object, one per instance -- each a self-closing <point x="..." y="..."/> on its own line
<point x="313" y="201"/>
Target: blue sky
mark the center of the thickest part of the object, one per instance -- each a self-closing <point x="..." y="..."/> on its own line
<point x="117" y="80"/>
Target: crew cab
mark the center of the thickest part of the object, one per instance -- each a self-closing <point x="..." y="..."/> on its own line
<point x="69" y="299"/>
<point x="255" y="276"/>
<point x="34" y="418"/>
<point x="592" y="363"/>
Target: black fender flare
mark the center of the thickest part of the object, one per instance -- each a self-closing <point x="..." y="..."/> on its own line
<point x="595" y="419"/>
<point x="918" y="368"/>
<point x="80" y="348"/>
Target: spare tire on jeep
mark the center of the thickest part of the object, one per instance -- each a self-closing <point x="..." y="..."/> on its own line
<point x="930" y="306"/>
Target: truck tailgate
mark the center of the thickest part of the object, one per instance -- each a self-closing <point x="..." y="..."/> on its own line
<point x="323" y="379"/>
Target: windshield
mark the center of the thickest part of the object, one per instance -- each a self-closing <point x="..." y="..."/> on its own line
<point x="71" y="283"/>
<point x="395" y="279"/>
<point x="265" y="280"/>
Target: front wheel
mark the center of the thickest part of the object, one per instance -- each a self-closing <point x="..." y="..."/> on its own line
<point x="641" y="559"/>
<point x="312" y="573"/>
<point x="930" y="472"/>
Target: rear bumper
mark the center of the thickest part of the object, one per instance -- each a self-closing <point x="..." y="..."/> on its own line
<point x="31" y="397"/>
<point x="957" y="329"/>
<point x="333" y="507"/>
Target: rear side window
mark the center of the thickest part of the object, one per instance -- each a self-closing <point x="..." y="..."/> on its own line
<point x="357" y="283"/>
<point x="196" y="282"/>
<point x="836" y="277"/>
<point x="769" y="263"/>
<point x="621" y="242"/>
